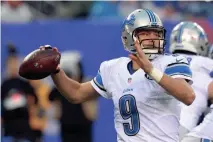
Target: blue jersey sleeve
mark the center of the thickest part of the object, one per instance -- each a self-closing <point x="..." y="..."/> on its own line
<point x="99" y="82"/>
<point x="179" y="68"/>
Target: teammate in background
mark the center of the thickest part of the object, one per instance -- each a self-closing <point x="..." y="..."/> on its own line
<point x="145" y="88"/>
<point x="190" y="40"/>
<point x="204" y="132"/>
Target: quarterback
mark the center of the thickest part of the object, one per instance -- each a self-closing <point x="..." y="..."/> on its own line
<point x="145" y="87"/>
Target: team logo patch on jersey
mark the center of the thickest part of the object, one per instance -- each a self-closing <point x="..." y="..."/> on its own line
<point x="148" y="77"/>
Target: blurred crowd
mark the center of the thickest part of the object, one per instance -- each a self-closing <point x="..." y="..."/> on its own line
<point x="32" y="109"/>
<point x="26" y="11"/>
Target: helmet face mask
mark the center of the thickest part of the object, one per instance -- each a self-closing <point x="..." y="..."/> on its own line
<point x="151" y="45"/>
<point x="155" y="48"/>
<point x="141" y="21"/>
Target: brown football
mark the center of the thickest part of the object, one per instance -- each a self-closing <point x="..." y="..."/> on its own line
<point x="39" y="64"/>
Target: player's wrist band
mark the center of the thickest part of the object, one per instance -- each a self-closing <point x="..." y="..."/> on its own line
<point x="156" y="74"/>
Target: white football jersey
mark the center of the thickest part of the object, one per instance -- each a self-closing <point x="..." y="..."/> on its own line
<point x="201" y="68"/>
<point x="205" y="129"/>
<point x="143" y="110"/>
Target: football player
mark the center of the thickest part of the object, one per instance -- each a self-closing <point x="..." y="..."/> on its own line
<point x="203" y="132"/>
<point x="190" y="40"/>
<point x="145" y="87"/>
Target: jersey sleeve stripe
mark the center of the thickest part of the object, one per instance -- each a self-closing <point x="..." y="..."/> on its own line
<point x="99" y="90"/>
<point x="98" y="84"/>
<point x="180" y="74"/>
<point x="98" y="79"/>
<point x="178" y="69"/>
<point x="178" y="63"/>
<point x="183" y="76"/>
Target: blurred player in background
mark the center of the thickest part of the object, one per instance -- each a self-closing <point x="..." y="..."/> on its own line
<point x="75" y="119"/>
<point x="203" y="132"/>
<point x="18" y="97"/>
<point x="145" y="88"/>
<point x="190" y="40"/>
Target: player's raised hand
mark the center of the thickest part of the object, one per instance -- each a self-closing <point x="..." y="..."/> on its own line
<point x="141" y="59"/>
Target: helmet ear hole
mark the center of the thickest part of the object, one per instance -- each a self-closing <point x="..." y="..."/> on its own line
<point x="202" y="48"/>
<point x="124" y="40"/>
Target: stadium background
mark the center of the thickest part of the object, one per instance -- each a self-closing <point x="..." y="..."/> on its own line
<point x="97" y="38"/>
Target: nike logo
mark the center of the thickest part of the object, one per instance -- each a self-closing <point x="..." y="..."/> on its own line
<point x="178" y="60"/>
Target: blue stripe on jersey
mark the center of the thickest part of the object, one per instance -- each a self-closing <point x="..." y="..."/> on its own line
<point x="178" y="69"/>
<point x="206" y="140"/>
<point x="98" y="81"/>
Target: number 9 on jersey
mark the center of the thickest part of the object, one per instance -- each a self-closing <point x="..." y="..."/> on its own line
<point x="128" y="110"/>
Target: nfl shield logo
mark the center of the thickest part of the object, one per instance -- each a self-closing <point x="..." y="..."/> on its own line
<point x="129" y="80"/>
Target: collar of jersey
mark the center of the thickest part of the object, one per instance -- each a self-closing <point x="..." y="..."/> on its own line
<point x="130" y="68"/>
